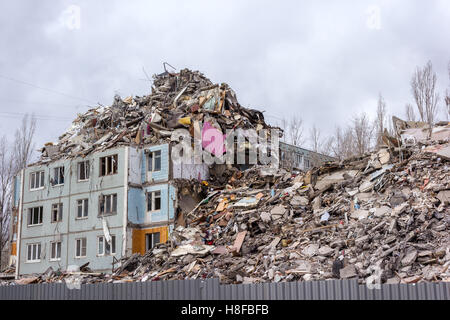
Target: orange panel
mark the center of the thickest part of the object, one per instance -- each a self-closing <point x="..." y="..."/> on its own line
<point x="13" y="248"/>
<point x="138" y="245"/>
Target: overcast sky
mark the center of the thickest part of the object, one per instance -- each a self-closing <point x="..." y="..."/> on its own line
<point x="323" y="61"/>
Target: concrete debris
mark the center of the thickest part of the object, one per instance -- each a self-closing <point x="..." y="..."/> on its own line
<point x="263" y="225"/>
<point x="348" y="272"/>
<point x="182" y="100"/>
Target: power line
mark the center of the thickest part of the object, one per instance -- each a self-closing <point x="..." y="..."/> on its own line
<point x="42" y="103"/>
<point x="46" y="89"/>
<point x="38" y="117"/>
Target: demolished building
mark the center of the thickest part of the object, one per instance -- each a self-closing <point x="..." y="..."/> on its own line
<point x="382" y="217"/>
<point x="109" y="187"/>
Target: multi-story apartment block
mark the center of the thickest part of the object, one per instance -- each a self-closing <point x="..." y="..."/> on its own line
<point x="106" y="205"/>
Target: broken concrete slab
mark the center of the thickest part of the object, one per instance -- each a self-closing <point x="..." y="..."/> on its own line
<point x="311" y="250"/>
<point x="348" y="272"/>
<point x="299" y="201"/>
<point x="382" y="211"/>
<point x="360" y="214"/>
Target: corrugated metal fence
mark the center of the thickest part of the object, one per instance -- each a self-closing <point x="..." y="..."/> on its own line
<point x="211" y="289"/>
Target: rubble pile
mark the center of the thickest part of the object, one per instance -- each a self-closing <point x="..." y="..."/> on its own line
<point x="178" y="100"/>
<point x="383" y="216"/>
<point x="363" y="217"/>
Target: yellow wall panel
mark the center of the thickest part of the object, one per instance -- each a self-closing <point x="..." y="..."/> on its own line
<point x="138" y="245"/>
<point x="13" y="248"/>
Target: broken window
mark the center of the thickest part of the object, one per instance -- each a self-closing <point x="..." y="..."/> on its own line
<point x="299" y="158"/>
<point x="154" y="201"/>
<point x="83" y="170"/>
<point x="306" y="163"/>
<point x="58" y="176"/>
<point x="80" y="250"/>
<point x="154" y="161"/>
<point x="35" y="216"/>
<point x="151" y="239"/>
<point x="36" y="180"/>
<point x="105" y="248"/>
<point x="34" y="252"/>
<point x="55" y="250"/>
<point x="82" y="208"/>
<point x="108" y="165"/>
<point x="57" y="210"/>
<point x="108" y="204"/>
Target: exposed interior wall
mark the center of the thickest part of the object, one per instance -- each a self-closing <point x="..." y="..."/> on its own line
<point x="157" y="176"/>
<point x="137" y="204"/>
<point x="134" y="165"/>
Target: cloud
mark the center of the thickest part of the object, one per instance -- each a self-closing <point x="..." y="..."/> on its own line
<point x="320" y="61"/>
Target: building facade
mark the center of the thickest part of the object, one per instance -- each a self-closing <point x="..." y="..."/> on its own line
<point x="96" y="209"/>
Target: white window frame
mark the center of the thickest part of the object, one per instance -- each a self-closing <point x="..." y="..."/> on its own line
<point x="107" y="198"/>
<point x="86" y="170"/>
<point x="109" y="168"/>
<point x="41" y="179"/>
<point x="80" y="240"/>
<point x="151" y="234"/>
<point x="59" y="207"/>
<point x="58" y="175"/>
<point x="84" y="209"/>
<point x="40" y="215"/>
<point x="153" y="195"/>
<point x="101" y="240"/>
<point x="35" y="253"/>
<point x="55" y="243"/>
<point x="153" y="155"/>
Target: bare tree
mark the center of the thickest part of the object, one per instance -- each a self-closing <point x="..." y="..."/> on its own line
<point x="296" y="130"/>
<point x="381" y="119"/>
<point x="342" y="143"/>
<point x="327" y="146"/>
<point x="409" y="111"/>
<point x="390" y="127"/>
<point x="6" y="178"/>
<point x="314" y="137"/>
<point x="12" y="160"/>
<point x="284" y="126"/>
<point x="423" y="86"/>
<point x="362" y="132"/>
<point x="23" y="145"/>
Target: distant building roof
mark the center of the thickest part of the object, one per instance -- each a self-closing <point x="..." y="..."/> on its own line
<point x="287" y="146"/>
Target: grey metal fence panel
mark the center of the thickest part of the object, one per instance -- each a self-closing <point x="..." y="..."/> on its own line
<point x="443" y="291"/>
<point x="141" y="294"/>
<point x="293" y="291"/>
<point x="211" y="289"/>
<point x="315" y="293"/>
<point x="412" y="292"/>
